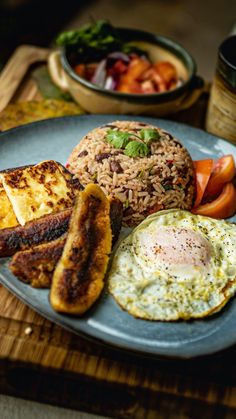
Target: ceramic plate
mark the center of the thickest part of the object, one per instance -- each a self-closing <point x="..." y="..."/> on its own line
<point x="54" y="139"/>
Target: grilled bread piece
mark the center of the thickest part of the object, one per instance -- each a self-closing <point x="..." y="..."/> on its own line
<point x="79" y="275"/>
<point x="38" y="190"/>
<point x="41" y="230"/>
<point x="35" y="266"/>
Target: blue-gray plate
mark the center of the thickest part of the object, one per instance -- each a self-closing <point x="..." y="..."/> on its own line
<point x="54" y="139"/>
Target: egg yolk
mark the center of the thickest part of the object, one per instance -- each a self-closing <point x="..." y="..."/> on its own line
<point x="175" y="246"/>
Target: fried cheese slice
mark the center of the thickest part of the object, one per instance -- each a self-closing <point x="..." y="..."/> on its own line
<point x="7" y="215"/>
<point x="78" y="278"/>
<point x="38" y="190"/>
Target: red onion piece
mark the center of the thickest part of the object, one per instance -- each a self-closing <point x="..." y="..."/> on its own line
<point x="110" y="83"/>
<point x="119" y="56"/>
<point x="99" y="76"/>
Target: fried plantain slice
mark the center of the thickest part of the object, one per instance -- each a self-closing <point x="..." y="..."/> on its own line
<point x="78" y="279"/>
<point x="35" y="266"/>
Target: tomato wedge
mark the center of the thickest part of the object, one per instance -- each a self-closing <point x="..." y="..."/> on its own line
<point x="223" y="172"/>
<point x="222" y="207"/>
<point x="203" y="169"/>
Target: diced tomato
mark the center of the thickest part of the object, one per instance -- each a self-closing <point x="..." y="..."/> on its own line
<point x="119" y="67"/>
<point x="155" y="208"/>
<point x="166" y="70"/>
<point x="147" y="74"/>
<point x="136" y="67"/>
<point x="138" y="75"/>
<point x="223" y="171"/>
<point x="222" y="207"/>
<point x="90" y="70"/>
<point x="203" y="169"/>
<point x="132" y="87"/>
<point x="152" y="76"/>
<point x="80" y="69"/>
<point x="159" y="82"/>
<point x="180" y="181"/>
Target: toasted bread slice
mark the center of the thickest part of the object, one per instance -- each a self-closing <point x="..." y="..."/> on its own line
<point x="78" y="279"/>
<point x="38" y="190"/>
<point x="7" y="215"/>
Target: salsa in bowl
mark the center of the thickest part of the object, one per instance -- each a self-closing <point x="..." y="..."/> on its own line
<point x="140" y="73"/>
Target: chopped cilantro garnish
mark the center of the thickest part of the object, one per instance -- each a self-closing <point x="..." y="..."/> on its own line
<point x="126" y="203"/>
<point x="136" y="149"/>
<point x="133" y="148"/>
<point x="118" y="139"/>
<point x="167" y="187"/>
<point x="148" y="135"/>
<point x="93" y="42"/>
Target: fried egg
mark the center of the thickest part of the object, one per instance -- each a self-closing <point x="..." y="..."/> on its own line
<point x="175" y="265"/>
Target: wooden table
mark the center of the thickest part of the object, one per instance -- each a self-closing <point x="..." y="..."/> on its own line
<point x="41" y="361"/>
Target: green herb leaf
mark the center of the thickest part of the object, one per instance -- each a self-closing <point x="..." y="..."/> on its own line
<point x="167" y="187"/>
<point x="129" y="48"/>
<point x="148" y="135"/>
<point x="136" y="149"/>
<point x="126" y="204"/>
<point x="92" y="42"/>
<point x="95" y="41"/>
<point x="140" y="174"/>
<point x="118" y="139"/>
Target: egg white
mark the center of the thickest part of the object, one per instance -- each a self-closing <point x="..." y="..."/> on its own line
<point x="156" y="288"/>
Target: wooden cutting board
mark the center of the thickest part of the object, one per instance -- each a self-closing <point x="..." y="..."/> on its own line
<point x="41" y="361"/>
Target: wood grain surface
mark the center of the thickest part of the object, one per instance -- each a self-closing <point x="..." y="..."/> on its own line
<point x="41" y="361"/>
<point x="16" y="69"/>
<point x="49" y="364"/>
<point x="16" y="408"/>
